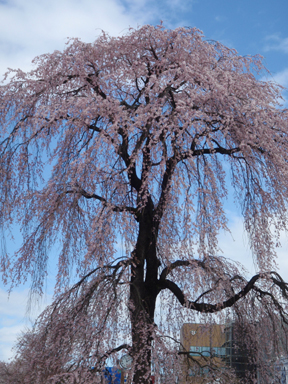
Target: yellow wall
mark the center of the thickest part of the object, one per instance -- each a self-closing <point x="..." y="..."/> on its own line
<point x="207" y="336"/>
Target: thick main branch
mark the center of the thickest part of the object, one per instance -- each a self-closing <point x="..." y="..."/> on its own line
<point x="212" y="308"/>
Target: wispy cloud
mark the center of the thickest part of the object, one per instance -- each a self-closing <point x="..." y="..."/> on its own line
<point x="281" y="78"/>
<point x="14" y="318"/>
<point x="235" y="246"/>
<point x="8" y="337"/>
<point x="276" y="43"/>
<point x="30" y="28"/>
<point x="220" y="19"/>
<point x="34" y="27"/>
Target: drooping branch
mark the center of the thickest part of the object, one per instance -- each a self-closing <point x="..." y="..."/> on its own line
<point x="179" y="263"/>
<point x="112" y="351"/>
<point x="115" y="208"/>
<point x="172" y="162"/>
<point x="82" y="292"/>
<point x="210" y="151"/>
<point x="121" y="263"/>
<point x="212" y="308"/>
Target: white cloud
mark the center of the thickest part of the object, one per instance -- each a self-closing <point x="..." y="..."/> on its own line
<point x="236" y="247"/>
<point x="30" y="28"/>
<point x="14" y="318"/>
<point x="8" y="337"/>
<point x="281" y="78"/>
<point x="276" y="43"/>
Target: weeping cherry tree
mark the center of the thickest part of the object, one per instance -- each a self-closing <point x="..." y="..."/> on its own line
<point x="117" y="158"/>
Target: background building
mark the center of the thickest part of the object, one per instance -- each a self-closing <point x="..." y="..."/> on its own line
<point x="202" y="348"/>
<point x="213" y="347"/>
<point x="237" y="355"/>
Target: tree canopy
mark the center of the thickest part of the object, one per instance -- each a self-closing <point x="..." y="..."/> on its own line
<point x="140" y="138"/>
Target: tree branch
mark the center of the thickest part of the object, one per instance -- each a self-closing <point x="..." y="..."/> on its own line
<point x="96" y="87"/>
<point x="115" y="208"/>
<point x="170" y="165"/>
<point x="123" y="152"/>
<point x="212" y="308"/>
<point x="179" y="263"/>
<point x="117" y="349"/>
<point x="209" y="151"/>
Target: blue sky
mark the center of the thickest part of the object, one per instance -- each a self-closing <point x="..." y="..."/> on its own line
<point x="32" y="27"/>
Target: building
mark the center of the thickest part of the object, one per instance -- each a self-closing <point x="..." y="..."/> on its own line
<point x="202" y="347"/>
<point x="236" y="353"/>
<point x="213" y="347"/>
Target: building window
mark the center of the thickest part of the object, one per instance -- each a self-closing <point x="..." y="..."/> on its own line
<point x="219" y="352"/>
<point x="200" y="351"/>
<point x="207" y="351"/>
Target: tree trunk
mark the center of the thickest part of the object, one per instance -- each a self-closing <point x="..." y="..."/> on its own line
<point x="142" y="336"/>
<point x="143" y="294"/>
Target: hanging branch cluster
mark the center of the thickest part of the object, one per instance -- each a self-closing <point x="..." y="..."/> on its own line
<point x="132" y="137"/>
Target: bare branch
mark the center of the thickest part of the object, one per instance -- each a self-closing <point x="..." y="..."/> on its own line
<point x="114" y="207"/>
<point x="212" y="308"/>
<point x="180" y="263"/>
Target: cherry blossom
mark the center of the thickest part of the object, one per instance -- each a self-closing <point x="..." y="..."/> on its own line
<point x="141" y="138"/>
